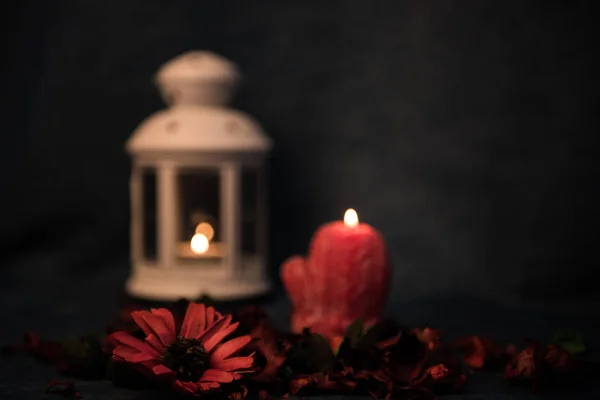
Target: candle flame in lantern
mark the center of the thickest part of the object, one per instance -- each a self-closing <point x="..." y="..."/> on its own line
<point x="199" y="243"/>
<point x="206" y="229"/>
<point x="350" y="218"/>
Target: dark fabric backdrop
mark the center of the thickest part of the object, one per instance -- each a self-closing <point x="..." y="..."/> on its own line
<point x="464" y="130"/>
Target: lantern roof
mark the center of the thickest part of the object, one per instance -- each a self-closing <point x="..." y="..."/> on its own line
<point x="199" y="129"/>
<point x="197" y="86"/>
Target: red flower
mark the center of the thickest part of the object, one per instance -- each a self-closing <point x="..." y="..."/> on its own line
<point x="195" y="361"/>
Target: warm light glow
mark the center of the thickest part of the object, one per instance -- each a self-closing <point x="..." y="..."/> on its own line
<point x="351" y="218"/>
<point x="199" y="243"/>
<point x="206" y="229"/>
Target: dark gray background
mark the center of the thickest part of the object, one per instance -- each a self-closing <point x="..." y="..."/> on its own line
<point x="464" y="130"/>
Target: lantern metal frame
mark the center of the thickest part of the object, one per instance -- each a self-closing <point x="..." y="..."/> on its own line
<point x="198" y="133"/>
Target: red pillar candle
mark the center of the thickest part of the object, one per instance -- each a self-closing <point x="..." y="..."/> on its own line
<point x="346" y="276"/>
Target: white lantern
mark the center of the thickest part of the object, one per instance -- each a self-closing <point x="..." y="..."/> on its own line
<point x="198" y="189"/>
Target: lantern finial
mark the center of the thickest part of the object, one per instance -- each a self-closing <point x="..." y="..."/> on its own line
<point x="198" y="78"/>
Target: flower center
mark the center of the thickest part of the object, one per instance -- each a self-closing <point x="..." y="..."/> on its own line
<point x="187" y="358"/>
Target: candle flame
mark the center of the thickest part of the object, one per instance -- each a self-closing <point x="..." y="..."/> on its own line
<point x="199" y="243"/>
<point x="350" y="218"/>
<point x="206" y="229"/>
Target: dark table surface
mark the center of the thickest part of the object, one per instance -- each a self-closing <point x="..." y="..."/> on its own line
<point x="78" y="303"/>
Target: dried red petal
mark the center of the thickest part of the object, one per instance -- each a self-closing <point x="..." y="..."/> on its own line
<point x="475" y="353"/>
<point x="521" y="365"/>
<point x="254" y="323"/>
<point x="444" y="380"/>
<point x="263" y="395"/>
<point x="238" y="395"/>
<point x="539" y="364"/>
<point x="377" y="383"/>
<point x="558" y="359"/>
<point x="438" y="372"/>
<point x="405" y="359"/>
<point x="300" y="382"/>
<point x="481" y="352"/>
<point x="428" y="336"/>
<point x="47" y="351"/>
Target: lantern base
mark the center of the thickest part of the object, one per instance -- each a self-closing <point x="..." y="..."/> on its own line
<point x="171" y="284"/>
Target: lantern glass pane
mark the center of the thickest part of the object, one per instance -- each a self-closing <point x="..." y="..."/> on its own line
<point x="200" y="239"/>
<point x="250" y="237"/>
<point x="149" y="224"/>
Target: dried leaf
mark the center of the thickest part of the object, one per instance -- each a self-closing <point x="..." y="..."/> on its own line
<point x="558" y="359"/>
<point x="376" y="383"/>
<point x="319" y="354"/>
<point x="308" y="354"/>
<point x="254" y="322"/>
<point x="406" y="358"/>
<point x="383" y="330"/>
<point x="301" y="382"/>
<point x="440" y="379"/>
<point x="540" y="366"/>
<point x="239" y="394"/>
<point x="521" y="366"/>
<point x="355" y="332"/>
<point x="481" y="352"/>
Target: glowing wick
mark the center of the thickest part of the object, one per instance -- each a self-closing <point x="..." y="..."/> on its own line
<point x="206" y="229"/>
<point x="199" y="243"/>
<point x="350" y="218"/>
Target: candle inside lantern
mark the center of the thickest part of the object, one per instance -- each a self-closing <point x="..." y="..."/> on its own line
<point x="345" y="277"/>
<point x="200" y="245"/>
<point x="205" y="229"/>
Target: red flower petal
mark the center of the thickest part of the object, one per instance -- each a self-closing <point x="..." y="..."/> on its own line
<point x="210" y="341"/>
<point x="131" y="355"/>
<point x="154" y="324"/>
<point x="215" y="375"/>
<point x="185" y="387"/>
<point x="206" y="386"/>
<point x="126" y="339"/>
<point x="211" y="316"/>
<point x="194" y="321"/>
<point x="228" y="348"/>
<point x="214" y="328"/>
<point x="162" y="371"/>
<point x="166" y="316"/>
<point x="155" y="342"/>
<point x="235" y="363"/>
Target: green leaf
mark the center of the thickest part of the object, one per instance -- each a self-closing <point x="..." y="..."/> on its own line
<point x="319" y="354"/>
<point x="355" y="332"/>
<point x="571" y="341"/>
<point x="378" y="332"/>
